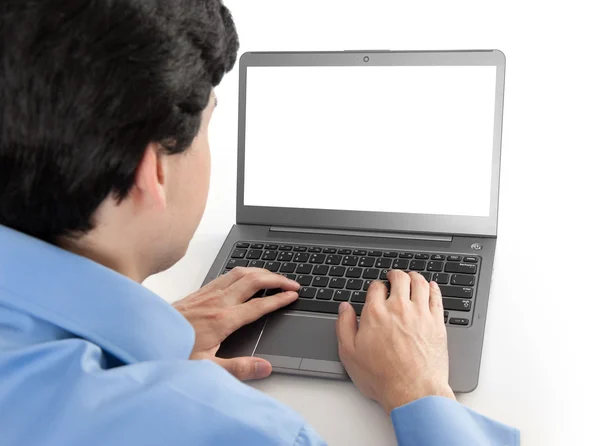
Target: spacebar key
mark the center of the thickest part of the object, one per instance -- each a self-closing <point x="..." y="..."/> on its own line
<point x="457" y="304"/>
<point x="319" y="306"/>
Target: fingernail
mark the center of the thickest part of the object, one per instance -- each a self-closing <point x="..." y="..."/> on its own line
<point x="261" y="369"/>
<point x="343" y="307"/>
<point x="435" y="285"/>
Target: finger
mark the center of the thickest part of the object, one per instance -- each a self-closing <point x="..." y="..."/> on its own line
<point x="376" y="294"/>
<point x="226" y="280"/>
<point x="346" y="328"/>
<point x="400" y="285"/>
<point x="436" y="304"/>
<point x="247" y="286"/>
<point x="253" y="310"/>
<point x="419" y="290"/>
<point x="246" y="368"/>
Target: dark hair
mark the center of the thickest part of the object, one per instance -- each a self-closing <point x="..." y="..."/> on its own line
<point x="85" y="86"/>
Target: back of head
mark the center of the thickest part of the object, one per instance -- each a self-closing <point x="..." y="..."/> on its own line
<point x="85" y="86"/>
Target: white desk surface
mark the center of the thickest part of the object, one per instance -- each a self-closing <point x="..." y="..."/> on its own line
<point x="540" y="364"/>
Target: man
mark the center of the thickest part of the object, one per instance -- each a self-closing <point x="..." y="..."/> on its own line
<point x="104" y="170"/>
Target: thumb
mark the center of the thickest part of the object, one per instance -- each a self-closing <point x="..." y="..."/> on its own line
<point x="346" y="328"/>
<point x="246" y="368"/>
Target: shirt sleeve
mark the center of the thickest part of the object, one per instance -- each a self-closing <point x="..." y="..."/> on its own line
<point x="435" y="420"/>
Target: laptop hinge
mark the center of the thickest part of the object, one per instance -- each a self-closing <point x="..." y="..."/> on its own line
<point x="389" y="235"/>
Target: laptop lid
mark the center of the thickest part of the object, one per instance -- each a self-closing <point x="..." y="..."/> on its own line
<point x="389" y="141"/>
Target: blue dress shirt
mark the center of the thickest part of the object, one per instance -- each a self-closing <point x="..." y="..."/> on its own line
<point x="89" y="357"/>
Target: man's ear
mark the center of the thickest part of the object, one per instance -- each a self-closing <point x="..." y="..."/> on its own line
<point x="150" y="177"/>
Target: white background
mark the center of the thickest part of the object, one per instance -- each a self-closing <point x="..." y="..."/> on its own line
<point x="540" y="363"/>
<point x="339" y="125"/>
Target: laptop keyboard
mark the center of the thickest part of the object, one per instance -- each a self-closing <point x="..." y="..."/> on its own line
<point x="330" y="275"/>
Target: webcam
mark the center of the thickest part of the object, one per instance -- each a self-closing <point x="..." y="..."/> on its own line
<point x="366" y="58"/>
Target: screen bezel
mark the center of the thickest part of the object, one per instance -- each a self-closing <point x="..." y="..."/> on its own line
<point x="364" y="220"/>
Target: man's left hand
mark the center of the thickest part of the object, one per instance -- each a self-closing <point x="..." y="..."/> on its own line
<point x="223" y="306"/>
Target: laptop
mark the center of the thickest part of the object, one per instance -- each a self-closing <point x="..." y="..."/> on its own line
<point x="357" y="162"/>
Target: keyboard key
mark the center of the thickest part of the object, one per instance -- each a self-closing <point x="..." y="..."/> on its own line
<point x="304" y="280"/>
<point x="257" y="264"/>
<point x="400" y="264"/>
<point x="273" y="291"/>
<point x="321" y="270"/>
<point x="285" y="256"/>
<point x="242" y="245"/>
<point x="375" y="253"/>
<point x="273" y="266"/>
<point x="454" y="258"/>
<point x="359" y="252"/>
<point x="344" y="252"/>
<point x="367" y="284"/>
<point x="406" y="255"/>
<point x="307" y="293"/>
<point x="254" y="254"/>
<point x="438" y="257"/>
<point x="350" y="261"/>
<point x="341" y="295"/>
<point x="314" y="249"/>
<point x="354" y="273"/>
<point x="358" y="296"/>
<point x="269" y="255"/>
<point x="383" y="274"/>
<point x="459" y="321"/>
<point x="457" y="304"/>
<point x="321" y="306"/>
<point x="236" y="262"/>
<point x="289" y="276"/>
<point x="301" y="257"/>
<point x="304" y="268"/>
<point x="320" y="281"/>
<point x="354" y="284"/>
<point x="421" y="256"/>
<point x="458" y="279"/>
<point x="441" y="278"/>
<point x="271" y="247"/>
<point x="337" y="271"/>
<point x="333" y="260"/>
<point x="329" y="251"/>
<point x="288" y="268"/>
<point x="371" y="273"/>
<point x="285" y="248"/>
<point x="317" y="258"/>
<point x="337" y="283"/>
<point x="455" y="291"/>
<point x="417" y="265"/>
<point x="446" y="316"/>
<point x="435" y="266"/>
<point x="239" y="253"/>
<point x="257" y="246"/>
<point x="366" y="262"/>
<point x="470" y="260"/>
<point x="390" y="254"/>
<point x="300" y="248"/>
<point x="383" y="263"/>
<point x="427" y="276"/>
<point x="464" y="268"/>
<point x="324" y="294"/>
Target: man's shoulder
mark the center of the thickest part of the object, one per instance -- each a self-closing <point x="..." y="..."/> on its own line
<point x="64" y="390"/>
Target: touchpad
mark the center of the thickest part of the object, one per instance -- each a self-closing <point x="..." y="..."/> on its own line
<point x="301" y="337"/>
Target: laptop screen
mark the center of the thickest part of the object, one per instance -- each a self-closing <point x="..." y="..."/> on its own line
<point x="405" y="139"/>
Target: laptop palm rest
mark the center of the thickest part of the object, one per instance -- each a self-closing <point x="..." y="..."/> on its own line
<point x="296" y="342"/>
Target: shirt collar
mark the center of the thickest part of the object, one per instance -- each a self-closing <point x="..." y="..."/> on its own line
<point x="90" y="301"/>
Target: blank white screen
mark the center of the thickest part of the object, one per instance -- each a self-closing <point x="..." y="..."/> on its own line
<point x="407" y="139"/>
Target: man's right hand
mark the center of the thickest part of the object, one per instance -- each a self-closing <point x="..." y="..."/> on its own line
<point x="400" y="351"/>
